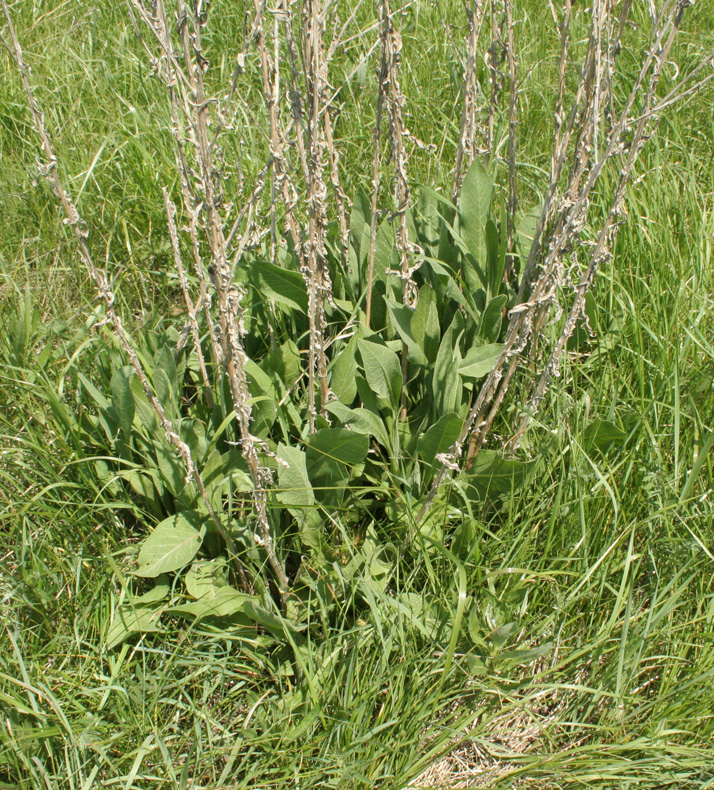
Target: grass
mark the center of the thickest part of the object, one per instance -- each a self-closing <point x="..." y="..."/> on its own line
<point x="604" y="560"/>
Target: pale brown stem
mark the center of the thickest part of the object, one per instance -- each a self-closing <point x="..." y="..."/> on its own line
<point x="195" y="107"/>
<point x="310" y="144"/>
<point x="526" y="318"/>
<point x="376" y="156"/>
<point x="494" y="61"/>
<point x="467" y="134"/>
<point x="512" y="204"/>
<point x="190" y="308"/>
<point x="101" y="282"/>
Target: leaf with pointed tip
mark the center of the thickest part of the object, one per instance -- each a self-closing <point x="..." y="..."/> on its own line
<point x="425" y="323"/>
<point x="277" y="625"/>
<point x="157" y="593"/>
<point x="402" y="318"/>
<point x="479" y="360"/>
<point x="382" y="371"/>
<point x="446" y="384"/>
<point x="130" y="621"/>
<point x="205" y="578"/>
<point x="172" y="545"/>
<point x="474" y="210"/>
<point x="123" y="401"/>
<point x="226" y="602"/>
<point x="343" y="372"/>
<point x="284" y="286"/>
<point x="492" y="319"/>
<point x="361" y="420"/>
<point x="295" y="491"/>
<point x="171" y="467"/>
<point x="439" y="438"/>
<point x="333" y="452"/>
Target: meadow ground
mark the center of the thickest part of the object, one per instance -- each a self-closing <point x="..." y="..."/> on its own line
<point x="604" y="558"/>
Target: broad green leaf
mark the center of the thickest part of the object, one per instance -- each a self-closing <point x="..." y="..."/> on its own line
<point x="445" y="286"/>
<point x="277" y="625"/>
<point x="385" y="257"/>
<point x="165" y="361"/>
<point x="264" y="401"/>
<point x="500" y="636"/>
<point x="385" y="252"/>
<point x="479" y="360"/>
<point x="294" y="484"/>
<point x="343" y="372"/>
<point x="475" y="626"/>
<point x="284" y="361"/>
<point x="439" y="438"/>
<point x="368" y="398"/>
<point x="284" y="286"/>
<point x="474" y="210"/>
<point x="333" y="452"/>
<point x="164" y="392"/>
<point x="226" y="602"/>
<point x="205" y="578"/>
<point x="492" y="319"/>
<point x="496" y="256"/>
<point x="145" y="484"/>
<point x="378" y="565"/>
<point x="144" y="410"/>
<point x="157" y="593"/>
<point x="517" y="657"/>
<point x="361" y="420"/>
<point x="359" y="240"/>
<point x="171" y="467"/>
<point x="492" y="476"/>
<point x="402" y="318"/>
<point x="295" y="491"/>
<point x="601" y="435"/>
<point x="222" y="471"/>
<point x="129" y="621"/>
<point x="477" y="662"/>
<point x="193" y="432"/>
<point x="382" y="371"/>
<point x="446" y="384"/>
<point x="428" y="219"/>
<point x="97" y="396"/>
<point x="425" y="323"/>
<point x="123" y="401"/>
<point x="172" y="544"/>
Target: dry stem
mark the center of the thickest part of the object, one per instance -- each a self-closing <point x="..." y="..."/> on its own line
<point x="81" y="232"/>
<point x="592" y="110"/>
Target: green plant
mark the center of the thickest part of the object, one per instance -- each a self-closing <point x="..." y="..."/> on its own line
<point x="310" y="446"/>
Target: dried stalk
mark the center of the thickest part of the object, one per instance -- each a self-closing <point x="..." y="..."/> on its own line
<point x="376" y="157"/>
<point x="394" y="104"/>
<point x="512" y="202"/>
<point x="608" y="232"/>
<point x="593" y="100"/>
<point x="203" y="194"/>
<point x="342" y="202"/>
<point x="467" y="133"/>
<point x="494" y="60"/>
<point x="49" y="169"/>
<point x="281" y="183"/>
<point x="317" y="89"/>
<point x="190" y="308"/>
<point x="309" y="139"/>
